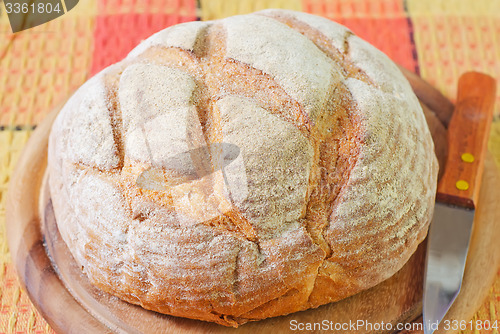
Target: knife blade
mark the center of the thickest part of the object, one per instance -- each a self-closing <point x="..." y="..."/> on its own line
<point x="457" y="196"/>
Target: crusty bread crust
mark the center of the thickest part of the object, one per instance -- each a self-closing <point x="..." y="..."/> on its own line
<point x="331" y="193"/>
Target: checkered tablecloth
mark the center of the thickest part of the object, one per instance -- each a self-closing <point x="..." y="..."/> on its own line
<point x="439" y="39"/>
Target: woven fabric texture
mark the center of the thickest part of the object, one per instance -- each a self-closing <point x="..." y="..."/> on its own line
<point x="39" y="67"/>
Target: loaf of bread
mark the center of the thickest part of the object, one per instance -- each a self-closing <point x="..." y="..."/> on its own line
<point x="244" y="168"/>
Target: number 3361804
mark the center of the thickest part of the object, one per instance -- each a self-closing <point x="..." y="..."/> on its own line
<point x="35" y="8"/>
<point x="456" y="325"/>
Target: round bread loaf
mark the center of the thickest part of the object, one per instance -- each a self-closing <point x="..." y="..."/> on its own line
<point x="243" y="168"/>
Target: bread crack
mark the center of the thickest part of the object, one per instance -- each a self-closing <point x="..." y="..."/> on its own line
<point x="347" y="35"/>
<point x="323" y="43"/>
<point x="111" y="81"/>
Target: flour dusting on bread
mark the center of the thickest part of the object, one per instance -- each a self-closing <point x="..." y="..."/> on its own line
<point x="329" y="192"/>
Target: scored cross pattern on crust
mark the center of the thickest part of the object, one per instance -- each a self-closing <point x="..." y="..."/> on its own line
<point x="338" y="163"/>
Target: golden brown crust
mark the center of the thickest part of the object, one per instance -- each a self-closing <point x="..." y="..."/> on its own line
<point x="330" y="193"/>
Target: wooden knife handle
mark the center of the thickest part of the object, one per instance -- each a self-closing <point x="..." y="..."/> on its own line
<point x="468" y="134"/>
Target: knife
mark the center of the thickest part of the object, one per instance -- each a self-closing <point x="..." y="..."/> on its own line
<point x="457" y="196"/>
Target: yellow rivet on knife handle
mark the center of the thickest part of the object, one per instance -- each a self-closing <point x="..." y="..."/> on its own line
<point x="467" y="157"/>
<point x="462" y="185"/>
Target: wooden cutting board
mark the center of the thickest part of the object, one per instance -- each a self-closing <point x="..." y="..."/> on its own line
<point x="71" y="304"/>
